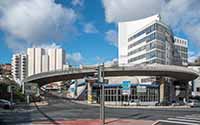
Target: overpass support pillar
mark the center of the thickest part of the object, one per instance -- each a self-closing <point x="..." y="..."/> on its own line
<point x="90" y="97"/>
<point x="37" y="90"/>
<point x="162" y="90"/>
<point x="187" y="91"/>
<point x="166" y="92"/>
<point x="172" y="92"/>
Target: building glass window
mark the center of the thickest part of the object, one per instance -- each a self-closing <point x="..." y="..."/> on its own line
<point x="198" y="89"/>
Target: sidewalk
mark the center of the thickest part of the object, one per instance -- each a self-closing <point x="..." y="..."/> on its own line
<point x="132" y="106"/>
<point x="96" y="122"/>
<point x="42" y="103"/>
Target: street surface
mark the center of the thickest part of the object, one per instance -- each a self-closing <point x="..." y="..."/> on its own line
<point x="64" y="110"/>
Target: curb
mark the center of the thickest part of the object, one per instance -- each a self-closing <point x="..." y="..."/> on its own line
<point x="136" y="107"/>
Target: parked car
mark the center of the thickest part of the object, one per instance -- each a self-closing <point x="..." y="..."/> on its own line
<point x="163" y="103"/>
<point x="193" y="103"/>
<point x="6" y="104"/>
<point x="135" y="102"/>
<point x="177" y="103"/>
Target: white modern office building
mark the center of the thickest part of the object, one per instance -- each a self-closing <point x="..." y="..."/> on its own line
<point x="19" y="67"/>
<point x="149" y="41"/>
<point x="44" y="60"/>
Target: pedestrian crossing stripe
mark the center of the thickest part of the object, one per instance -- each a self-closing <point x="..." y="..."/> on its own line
<point x="185" y="120"/>
<point x="176" y="122"/>
<point x="191" y="118"/>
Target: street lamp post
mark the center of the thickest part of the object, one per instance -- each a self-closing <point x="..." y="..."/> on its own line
<point x="101" y="82"/>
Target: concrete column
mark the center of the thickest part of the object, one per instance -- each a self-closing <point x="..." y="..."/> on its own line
<point x="162" y="90"/>
<point x="37" y="91"/>
<point x="172" y="92"/>
<point x="90" y="97"/>
<point x="187" y="92"/>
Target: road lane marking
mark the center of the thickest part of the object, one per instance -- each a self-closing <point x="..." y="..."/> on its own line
<point x="176" y="122"/>
<point x="191" y="118"/>
<point x="185" y="120"/>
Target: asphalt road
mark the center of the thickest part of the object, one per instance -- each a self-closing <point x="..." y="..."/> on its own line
<point x="61" y="109"/>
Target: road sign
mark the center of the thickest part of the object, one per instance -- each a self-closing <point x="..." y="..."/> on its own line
<point x="31" y="88"/>
<point x="126" y="87"/>
<point x="141" y="89"/>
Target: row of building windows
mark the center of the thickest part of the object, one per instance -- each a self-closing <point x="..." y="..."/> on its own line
<point x="155" y="53"/>
<point x="181" y="48"/>
<point x="147" y="31"/>
<point x="156" y="61"/>
<point x="153" y="36"/>
<point x="180" y="41"/>
<point x="152" y="54"/>
<point x="155" y="44"/>
<point x="147" y="38"/>
<point x="136" y="58"/>
<point x="115" y="94"/>
<point x="150" y="29"/>
<point x="136" y="50"/>
<point x="184" y="55"/>
<point x="180" y="54"/>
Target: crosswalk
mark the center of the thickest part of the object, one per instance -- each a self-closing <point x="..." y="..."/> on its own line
<point x="193" y="119"/>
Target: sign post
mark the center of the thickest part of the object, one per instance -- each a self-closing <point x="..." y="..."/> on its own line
<point x="101" y="81"/>
<point x="126" y="89"/>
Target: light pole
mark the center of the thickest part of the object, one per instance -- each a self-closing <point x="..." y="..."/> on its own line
<point x="101" y="82"/>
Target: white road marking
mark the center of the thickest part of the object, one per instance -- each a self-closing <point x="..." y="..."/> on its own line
<point x="191" y="118"/>
<point x="185" y="120"/>
<point x="176" y="122"/>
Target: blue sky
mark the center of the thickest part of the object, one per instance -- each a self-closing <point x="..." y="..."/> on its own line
<point x="88" y="37"/>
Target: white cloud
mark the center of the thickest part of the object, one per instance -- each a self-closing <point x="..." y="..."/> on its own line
<point x="48" y="46"/>
<point x="192" y="56"/>
<point x="111" y="37"/>
<point x="36" y="22"/>
<point x="75" y="58"/>
<point x="77" y="2"/>
<point x="101" y="60"/>
<point x="121" y="10"/>
<point x="181" y="15"/>
<point x="111" y="62"/>
<point x="90" y="28"/>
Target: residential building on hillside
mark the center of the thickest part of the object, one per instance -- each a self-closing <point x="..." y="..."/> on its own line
<point x="44" y="60"/>
<point x="37" y="60"/>
<point x="19" y="67"/>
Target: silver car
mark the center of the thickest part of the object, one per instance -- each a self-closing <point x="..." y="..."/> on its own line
<point x="193" y="103"/>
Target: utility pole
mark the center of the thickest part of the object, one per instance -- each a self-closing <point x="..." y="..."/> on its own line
<point x="101" y="82"/>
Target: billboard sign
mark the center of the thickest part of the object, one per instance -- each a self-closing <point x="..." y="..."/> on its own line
<point x="141" y="89"/>
<point x="126" y="87"/>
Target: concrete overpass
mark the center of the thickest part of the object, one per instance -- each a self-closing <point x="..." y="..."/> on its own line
<point x="177" y="72"/>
